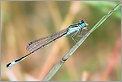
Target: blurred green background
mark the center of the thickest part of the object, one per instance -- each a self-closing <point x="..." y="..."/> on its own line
<point x="97" y="59"/>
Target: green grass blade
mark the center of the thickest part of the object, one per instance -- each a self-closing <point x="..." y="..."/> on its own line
<point x="75" y="47"/>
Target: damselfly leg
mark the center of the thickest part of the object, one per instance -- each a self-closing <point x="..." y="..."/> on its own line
<point x="73" y="35"/>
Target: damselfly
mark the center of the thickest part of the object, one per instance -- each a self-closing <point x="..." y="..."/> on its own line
<point x="42" y="42"/>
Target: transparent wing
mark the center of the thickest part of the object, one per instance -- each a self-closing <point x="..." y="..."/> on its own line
<point x="42" y="42"/>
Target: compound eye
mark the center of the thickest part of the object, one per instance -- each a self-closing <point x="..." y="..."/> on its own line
<point x="83" y="24"/>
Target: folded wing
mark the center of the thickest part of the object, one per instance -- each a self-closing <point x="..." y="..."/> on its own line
<point x="42" y="42"/>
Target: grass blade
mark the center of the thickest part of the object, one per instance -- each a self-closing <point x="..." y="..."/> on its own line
<point x="75" y="47"/>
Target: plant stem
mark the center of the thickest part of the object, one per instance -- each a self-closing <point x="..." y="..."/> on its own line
<point x="75" y="47"/>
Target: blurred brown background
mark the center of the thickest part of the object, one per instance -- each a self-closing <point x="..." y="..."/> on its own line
<point x="98" y="58"/>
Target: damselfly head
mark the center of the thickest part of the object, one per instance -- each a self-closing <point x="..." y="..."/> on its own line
<point x="83" y="24"/>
